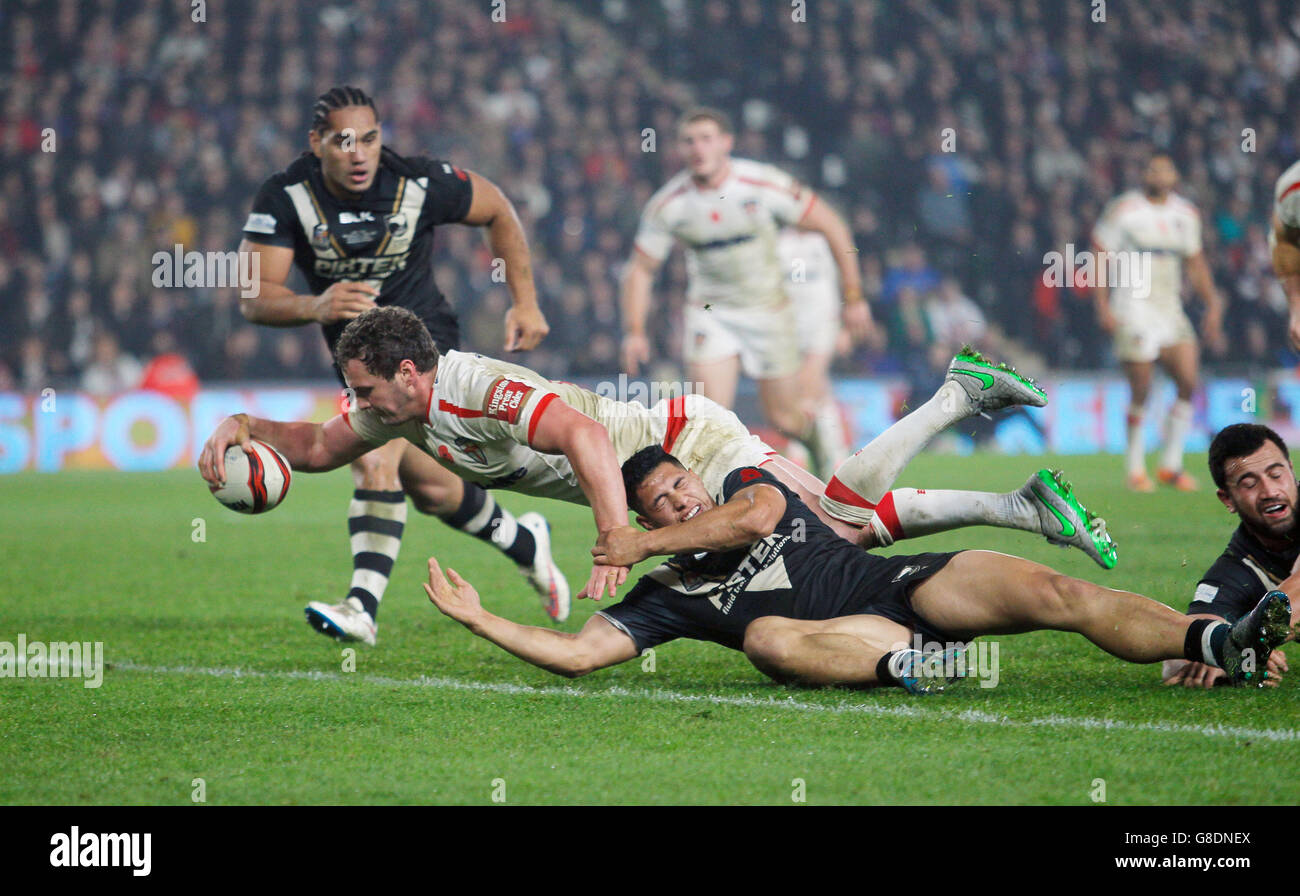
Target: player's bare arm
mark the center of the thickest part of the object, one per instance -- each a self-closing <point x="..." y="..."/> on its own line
<point x="1198" y="272"/>
<point x="1101" y="302"/>
<point x="586" y="444"/>
<point x="750" y="515"/>
<point x="597" y="645"/>
<point x="525" y="324"/>
<point x="308" y="447"/>
<point x="1286" y="265"/>
<point x="638" y="279"/>
<point x="276" y="305"/>
<point x="823" y="219"/>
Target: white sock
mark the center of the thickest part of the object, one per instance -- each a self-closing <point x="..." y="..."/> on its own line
<point x="1137" y="451"/>
<point x="1177" y="425"/>
<point x="925" y="511"/>
<point x="860" y="483"/>
<point x="831" y="440"/>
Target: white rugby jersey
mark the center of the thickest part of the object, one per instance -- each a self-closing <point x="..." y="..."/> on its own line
<point x="1286" y="197"/>
<point x="729" y="233"/>
<point x="483" y="414"/>
<point x="806" y="257"/>
<point x="1165" y="232"/>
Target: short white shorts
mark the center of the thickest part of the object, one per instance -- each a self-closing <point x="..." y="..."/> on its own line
<point x="765" y="338"/>
<point x="1142" y="333"/>
<point x="817" y="310"/>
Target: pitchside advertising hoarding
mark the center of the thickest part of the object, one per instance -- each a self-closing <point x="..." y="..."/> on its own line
<point x="142" y="431"/>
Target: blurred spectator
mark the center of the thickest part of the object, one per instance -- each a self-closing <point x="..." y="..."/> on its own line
<point x="110" y="369"/>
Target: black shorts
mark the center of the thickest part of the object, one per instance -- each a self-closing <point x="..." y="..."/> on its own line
<point x="441" y="323"/>
<point x="889" y="593"/>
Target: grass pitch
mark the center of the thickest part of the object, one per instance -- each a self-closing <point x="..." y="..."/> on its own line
<point x="218" y="689"/>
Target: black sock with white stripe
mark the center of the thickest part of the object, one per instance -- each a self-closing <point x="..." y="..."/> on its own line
<point x="481" y="516"/>
<point x="1205" y="640"/>
<point x="891" y="667"/>
<point x="375" y="523"/>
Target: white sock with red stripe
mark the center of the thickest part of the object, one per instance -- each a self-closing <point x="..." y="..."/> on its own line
<point x="1177" y="425"/>
<point x="857" y="490"/>
<point x="1136" y="453"/>
<point x="915" y="512"/>
<point x="831" y="442"/>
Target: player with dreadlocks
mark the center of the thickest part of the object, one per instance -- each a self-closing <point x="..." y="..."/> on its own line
<point x="358" y="220"/>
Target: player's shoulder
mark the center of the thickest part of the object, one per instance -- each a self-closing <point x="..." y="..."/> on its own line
<point x="472" y="363"/>
<point x="297" y="171"/>
<point x="1128" y="201"/>
<point x="761" y="174"/>
<point x="420" y="166"/>
<point x="1184" y="206"/>
<point x="1286" y="180"/>
<point x="744" y="477"/>
<point x="677" y="186"/>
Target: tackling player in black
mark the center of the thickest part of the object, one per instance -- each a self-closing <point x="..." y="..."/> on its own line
<point x="1252" y="469"/>
<point x="758" y="571"/>
<point x="358" y="220"/>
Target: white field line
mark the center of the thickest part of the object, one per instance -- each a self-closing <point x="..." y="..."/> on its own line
<point x="923" y="709"/>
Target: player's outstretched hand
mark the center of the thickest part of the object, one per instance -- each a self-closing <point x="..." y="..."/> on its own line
<point x="525" y="328"/>
<point x="634" y="353"/>
<point x="345" y="300"/>
<point x="212" y="460"/>
<point x="1277" y="667"/>
<point x="1196" y="675"/>
<point x="456" y="598"/>
<point x="1106" y="320"/>
<point x="620" y="546"/>
<point x="604" y="579"/>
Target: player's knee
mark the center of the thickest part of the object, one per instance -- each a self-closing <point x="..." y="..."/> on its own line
<point x="376" y="472"/>
<point x="433" y="500"/>
<point x="768" y="643"/>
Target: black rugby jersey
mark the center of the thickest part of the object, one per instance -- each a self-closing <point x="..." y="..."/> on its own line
<point x="803" y="570"/>
<point x="384" y="237"/>
<point x="1244" y="573"/>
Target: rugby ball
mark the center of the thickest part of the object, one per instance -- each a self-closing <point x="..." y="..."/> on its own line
<point x="256" y="482"/>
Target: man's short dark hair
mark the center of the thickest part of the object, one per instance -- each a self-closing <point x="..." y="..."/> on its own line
<point x="1240" y="440"/>
<point x="640" y="465"/>
<point x="706" y="113"/>
<point x="382" y="338"/>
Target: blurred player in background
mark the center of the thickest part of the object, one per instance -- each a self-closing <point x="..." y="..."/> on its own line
<point x="358" y="220"/>
<point x="812" y="284"/>
<point x="1162" y="231"/>
<point x="1284" y="240"/>
<point x="726" y="212"/>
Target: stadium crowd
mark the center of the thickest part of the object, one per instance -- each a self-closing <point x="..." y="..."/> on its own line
<point x="127" y="127"/>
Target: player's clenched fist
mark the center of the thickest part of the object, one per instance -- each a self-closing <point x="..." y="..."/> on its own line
<point x="620" y="546"/>
<point x="525" y="328"/>
<point x="212" y="460"/>
<point x="343" y="301"/>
